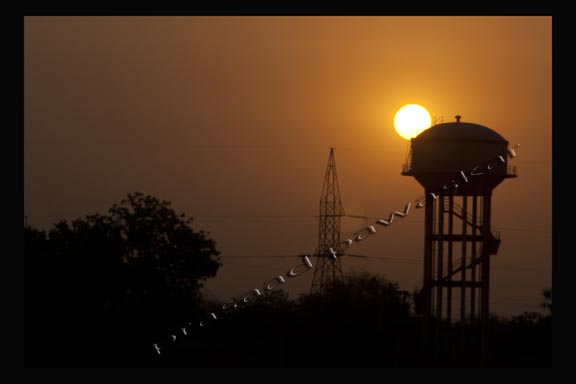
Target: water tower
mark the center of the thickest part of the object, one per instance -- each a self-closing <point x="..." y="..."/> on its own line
<point x="460" y="163"/>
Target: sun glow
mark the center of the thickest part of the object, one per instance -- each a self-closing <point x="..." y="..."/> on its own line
<point x="411" y="120"/>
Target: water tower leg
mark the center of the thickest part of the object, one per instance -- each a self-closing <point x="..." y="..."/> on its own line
<point x="485" y="312"/>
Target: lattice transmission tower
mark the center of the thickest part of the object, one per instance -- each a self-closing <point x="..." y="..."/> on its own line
<point x="328" y="267"/>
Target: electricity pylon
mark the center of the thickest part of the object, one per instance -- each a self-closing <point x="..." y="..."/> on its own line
<point x="327" y="266"/>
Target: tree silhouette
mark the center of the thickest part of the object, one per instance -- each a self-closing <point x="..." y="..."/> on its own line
<point x="352" y="315"/>
<point x="363" y="296"/>
<point x="117" y="278"/>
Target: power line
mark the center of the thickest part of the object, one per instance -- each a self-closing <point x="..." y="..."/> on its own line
<point x="266" y="217"/>
<point x="522" y="230"/>
<point x="211" y="147"/>
<point x="254" y="217"/>
<point x="522" y="269"/>
<point x="254" y="266"/>
<point x="209" y="216"/>
<point x="257" y="256"/>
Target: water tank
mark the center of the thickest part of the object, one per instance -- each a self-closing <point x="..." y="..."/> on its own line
<point x="442" y="151"/>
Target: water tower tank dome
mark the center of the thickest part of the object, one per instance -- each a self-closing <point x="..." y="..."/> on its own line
<point x="460" y="131"/>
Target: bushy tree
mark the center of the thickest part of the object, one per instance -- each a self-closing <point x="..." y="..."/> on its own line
<point x="361" y="295"/>
<point x="116" y="276"/>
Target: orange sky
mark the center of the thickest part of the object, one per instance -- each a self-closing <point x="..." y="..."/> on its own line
<point x="234" y="116"/>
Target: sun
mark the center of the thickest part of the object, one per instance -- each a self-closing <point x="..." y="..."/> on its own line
<point x="411" y="120"/>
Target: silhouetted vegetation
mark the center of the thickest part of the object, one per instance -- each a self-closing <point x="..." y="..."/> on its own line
<point x="101" y="290"/>
<point x="362" y="321"/>
<point x="98" y="289"/>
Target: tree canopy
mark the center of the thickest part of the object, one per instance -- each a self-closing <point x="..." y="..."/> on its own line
<point x="141" y="265"/>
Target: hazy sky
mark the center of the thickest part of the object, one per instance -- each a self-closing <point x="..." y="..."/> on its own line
<point x="231" y="119"/>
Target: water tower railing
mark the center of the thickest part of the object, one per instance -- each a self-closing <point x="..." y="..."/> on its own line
<point x="407" y="168"/>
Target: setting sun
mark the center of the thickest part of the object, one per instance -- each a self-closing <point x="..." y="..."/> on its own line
<point x="411" y="120"/>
